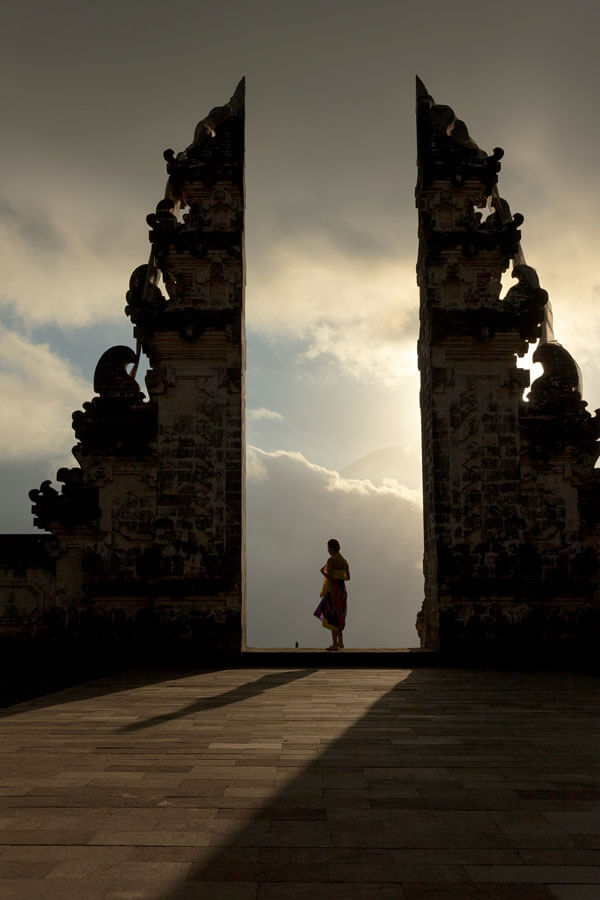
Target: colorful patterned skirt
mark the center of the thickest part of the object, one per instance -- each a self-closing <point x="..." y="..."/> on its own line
<point x="333" y="606"/>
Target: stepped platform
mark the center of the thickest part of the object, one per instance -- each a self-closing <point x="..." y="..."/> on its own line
<point x="309" y="781"/>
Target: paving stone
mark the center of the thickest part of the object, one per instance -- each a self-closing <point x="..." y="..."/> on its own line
<point x="397" y="873"/>
<point x="574" y="891"/>
<point x="327" y="891"/>
<point x="52" y="889"/>
<point x="472" y="891"/>
<point x="22" y="869"/>
<point x="540" y="874"/>
<point x="431" y="784"/>
<point x="217" y="890"/>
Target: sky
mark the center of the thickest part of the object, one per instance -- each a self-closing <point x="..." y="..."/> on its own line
<point x="92" y="95"/>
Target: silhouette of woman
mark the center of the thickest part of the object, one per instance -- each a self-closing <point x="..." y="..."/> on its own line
<point x="334" y="598"/>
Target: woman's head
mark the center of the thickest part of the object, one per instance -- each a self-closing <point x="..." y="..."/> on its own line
<point x="333" y="545"/>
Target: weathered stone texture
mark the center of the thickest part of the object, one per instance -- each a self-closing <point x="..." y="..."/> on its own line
<point x="147" y="534"/>
<point x="511" y="533"/>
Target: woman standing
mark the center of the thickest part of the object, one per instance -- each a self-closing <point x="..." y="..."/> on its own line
<point x="334" y="598"/>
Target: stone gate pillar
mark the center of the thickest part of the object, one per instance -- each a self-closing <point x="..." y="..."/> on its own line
<point x="146" y="545"/>
<point x="196" y="345"/>
<point x="509" y="532"/>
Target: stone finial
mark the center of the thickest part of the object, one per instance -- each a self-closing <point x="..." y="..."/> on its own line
<point x="209" y="126"/>
<point x="445" y="147"/>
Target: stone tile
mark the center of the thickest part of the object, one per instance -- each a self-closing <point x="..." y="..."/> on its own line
<point x="56" y="889"/>
<point x="588" y="841"/>
<point x="197" y="855"/>
<point x="41" y="836"/>
<point x="540" y="874"/>
<point x="147" y="871"/>
<point x="327" y="891"/>
<point x="398" y="784"/>
<point x="559" y="857"/>
<point x="49" y="853"/>
<point x="574" y="891"/>
<point x="217" y="890"/>
<point x="263" y="872"/>
<point x="575" y="822"/>
<point x="396" y="873"/>
<point x="471" y="891"/>
<point x="152" y="838"/>
<point x="25" y="869"/>
<point x="529" y="840"/>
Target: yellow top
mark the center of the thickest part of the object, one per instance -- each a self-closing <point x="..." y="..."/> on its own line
<point x="338" y="568"/>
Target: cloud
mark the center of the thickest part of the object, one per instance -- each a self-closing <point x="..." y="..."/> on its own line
<point x="294" y="506"/>
<point x="358" y="311"/>
<point x="352" y="348"/>
<point x="66" y="259"/>
<point x="391" y="465"/>
<point x="39" y="392"/>
<point x="261" y="413"/>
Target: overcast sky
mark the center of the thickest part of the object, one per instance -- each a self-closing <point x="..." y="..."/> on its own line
<point x="91" y="97"/>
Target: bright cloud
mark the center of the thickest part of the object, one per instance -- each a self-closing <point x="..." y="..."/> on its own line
<point x="359" y="311"/>
<point x="261" y="413"/>
<point x="39" y="392"/>
<point x="353" y="348"/>
<point x="560" y="236"/>
<point x="294" y="506"/>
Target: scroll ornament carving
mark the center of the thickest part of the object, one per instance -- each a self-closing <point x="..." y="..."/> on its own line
<point x="119" y="422"/>
<point x="556" y="417"/>
<point x="560" y="382"/>
<point x="469" y="235"/>
<point x="75" y="505"/>
<point x="145" y="303"/>
<point x="167" y="232"/>
<point x="528" y="300"/>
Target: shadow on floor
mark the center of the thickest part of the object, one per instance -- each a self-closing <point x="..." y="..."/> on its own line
<point x="451" y="786"/>
<point x="244" y="692"/>
<point x="85" y="686"/>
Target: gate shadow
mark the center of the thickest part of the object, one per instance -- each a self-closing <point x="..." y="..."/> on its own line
<point x="433" y="779"/>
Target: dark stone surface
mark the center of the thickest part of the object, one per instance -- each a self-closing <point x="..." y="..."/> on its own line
<point x="510" y="490"/>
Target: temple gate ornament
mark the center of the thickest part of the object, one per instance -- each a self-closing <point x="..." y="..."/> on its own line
<point x="144" y="543"/>
<point x="146" y="536"/>
<point x="511" y="516"/>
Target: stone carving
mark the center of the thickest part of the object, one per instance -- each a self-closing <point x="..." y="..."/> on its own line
<point x="119" y="422"/>
<point x="510" y="489"/>
<point x="528" y="301"/>
<point x="145" y="303"/>
<point x="555" y="417"/>
<point x="163" y="223"/>
<point x="561" y="379"/>
<point x="74" y="506"/>
<point x="111" y="378"/>
<point x="208" y="127"/>
<point x="147" y="538"/>
<point x="445" y="145"/>
<point x="206" y="130"/>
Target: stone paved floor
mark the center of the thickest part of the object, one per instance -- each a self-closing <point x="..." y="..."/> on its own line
<point x="430" y="784"/>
